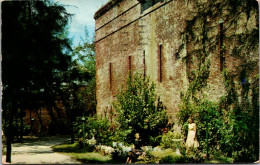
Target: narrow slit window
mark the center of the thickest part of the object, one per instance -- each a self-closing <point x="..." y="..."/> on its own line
<point x="160" y="63"/>
<point x="129" y="63"/>
<point x="110" y="75"/>
<point x="130" y="66"/>
<point x="144" y="63"/>
<point x="221" y="51"/>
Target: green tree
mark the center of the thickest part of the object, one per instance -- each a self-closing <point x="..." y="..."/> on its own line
<point x="85" y="58"/>
<point x="79" y="90"/>
<point x="139" y="110"/>
<point x="34" y="55"/>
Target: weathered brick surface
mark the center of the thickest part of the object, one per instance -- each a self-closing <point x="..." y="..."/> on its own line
<point x="133" y="33"/>
<point x="42" y="123"/>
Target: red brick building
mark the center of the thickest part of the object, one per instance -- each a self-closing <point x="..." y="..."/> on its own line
<point x="43" y="121"/>
<point x="144" y="36"/>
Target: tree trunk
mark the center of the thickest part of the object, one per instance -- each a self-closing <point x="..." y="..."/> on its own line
<point x="72" y="133"/>
<point x="9" y="132"/>
<point x="8" y="147"/>
<point x="9" y="138"/>
<point x="40" y="120"/>
<point x="53" y="130"/>
<point x="72" y="137"/>
<point x="21" y="125"/>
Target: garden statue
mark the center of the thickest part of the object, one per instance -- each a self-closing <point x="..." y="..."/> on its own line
<point x="191" y="138"/>
<point x="137" y="150"/>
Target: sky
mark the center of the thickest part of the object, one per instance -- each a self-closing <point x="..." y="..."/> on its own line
<point x="83" y="11"/>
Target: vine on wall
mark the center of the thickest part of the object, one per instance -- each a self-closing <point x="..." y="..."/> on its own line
<point x="227" y="29"/>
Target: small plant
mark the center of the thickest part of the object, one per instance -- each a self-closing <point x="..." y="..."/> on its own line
<point x="167" y="140"/>
<point x="194" y="156"/>
<point x="183" y="150"/>
<point x="97" y="128"/>
<point x="150" y="158"/>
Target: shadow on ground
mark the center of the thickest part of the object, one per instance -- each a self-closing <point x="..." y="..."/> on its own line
<point x="36" y="150"/>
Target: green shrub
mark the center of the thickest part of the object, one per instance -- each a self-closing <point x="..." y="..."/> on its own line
<point x="85" y="146"/>
<point x="229" y="122"/>
<point x="244" y="156"/>
<point x="193" y="156"/>
<point x="26" y="129"/>
<point x="121" y="135"/>
<point x="140" y="110"/>
<point x="150" y="158"/>
<point x="183" y="149"/>
<point x="98" y="128"/>
<point x="166" y="141"/>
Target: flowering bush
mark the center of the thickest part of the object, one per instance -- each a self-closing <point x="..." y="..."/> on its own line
<point x="92" y="141"/>
<point x="121" y="151"/>
<point x="104" y="150"/>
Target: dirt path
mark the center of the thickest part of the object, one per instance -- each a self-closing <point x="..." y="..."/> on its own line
<point x="39" y="151"/>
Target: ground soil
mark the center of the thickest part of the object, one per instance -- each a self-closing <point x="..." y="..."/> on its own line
<point x="38" y="151"/>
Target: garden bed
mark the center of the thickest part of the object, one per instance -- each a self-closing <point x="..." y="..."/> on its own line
<point x="151" y="157"/>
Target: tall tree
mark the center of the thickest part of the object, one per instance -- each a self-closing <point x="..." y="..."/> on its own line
<point x="34" y="55"/>
<point x="79" y="92"/>
<point x="85" y="57"/>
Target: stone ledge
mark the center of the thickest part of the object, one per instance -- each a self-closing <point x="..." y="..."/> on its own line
<point x="109" y="5"/>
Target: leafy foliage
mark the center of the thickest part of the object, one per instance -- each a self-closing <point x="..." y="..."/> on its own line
<point x="139" y="110"/>
<point x="166" y="141"/>
<point x="228" y="29"/>
<point x="34" y="54"/>
<point x="78" y="93"/>
<point x="96" y="127"/>
<point x="228" y="128"/>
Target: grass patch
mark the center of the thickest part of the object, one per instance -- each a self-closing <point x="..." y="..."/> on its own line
<point x="220" y="160"/>
<point x="166" y="156"/>
<point x="94" y="158"/>
<point x="74" y="151"/>
<point x="170" y="156"/>
<point x="161" y="154"/>
<point x="68" y="148"/>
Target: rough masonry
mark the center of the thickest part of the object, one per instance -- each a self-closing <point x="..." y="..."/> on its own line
<point x="144" y="36"/>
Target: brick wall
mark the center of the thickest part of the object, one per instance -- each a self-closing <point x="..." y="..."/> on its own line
<point x="151" y="38"/>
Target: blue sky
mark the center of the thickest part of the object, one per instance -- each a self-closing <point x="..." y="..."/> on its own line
<point x="83" y="11"/>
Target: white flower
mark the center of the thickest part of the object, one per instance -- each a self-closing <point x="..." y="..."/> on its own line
<point x="126" y="149"/>
<point x="120" y="144"/>
<point x="157" y="149"/>
<point x="92" y="141"/>
<point x="114" y="144"/>
<point x="109" y="150"/>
